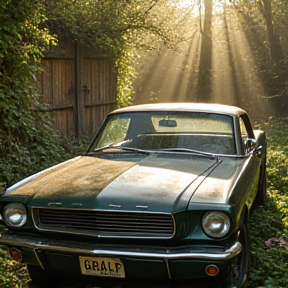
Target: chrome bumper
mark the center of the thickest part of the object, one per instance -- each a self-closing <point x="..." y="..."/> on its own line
<point x="138" y="251"/>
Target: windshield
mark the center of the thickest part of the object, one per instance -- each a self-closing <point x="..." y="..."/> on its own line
<point x="206" y="132"/>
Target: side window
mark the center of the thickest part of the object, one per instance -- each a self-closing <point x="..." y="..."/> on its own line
<point x="243" y="130"/>
<point x="246" y="133"/>
<point x="115" y="131"/>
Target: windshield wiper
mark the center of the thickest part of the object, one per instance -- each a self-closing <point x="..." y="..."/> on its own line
<point x="118" y="145"/>
<point x="186" y="150"/>
<point x="135" y="150"/>
<point x="112" y="145"/>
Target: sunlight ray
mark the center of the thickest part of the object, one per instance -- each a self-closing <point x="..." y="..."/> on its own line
<point x="171" y="76"/>
<point x="233" y="66"/>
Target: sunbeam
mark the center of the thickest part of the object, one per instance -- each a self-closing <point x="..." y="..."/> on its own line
<point x="215" y="64"/>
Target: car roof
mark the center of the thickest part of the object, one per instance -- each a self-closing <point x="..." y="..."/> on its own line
<point x="185" y="107"/>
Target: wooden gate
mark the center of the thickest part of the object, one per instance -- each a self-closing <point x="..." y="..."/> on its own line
<point x="79" y="86"/>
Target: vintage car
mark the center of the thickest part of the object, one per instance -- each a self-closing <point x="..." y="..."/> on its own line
<point x="163" y="192"/>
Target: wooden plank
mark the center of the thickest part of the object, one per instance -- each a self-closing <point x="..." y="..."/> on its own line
<point x="57" y="83"/>
<point x="78" y="99"/>
<point x="64" y="122"/>
<point x="100" y="103"/>
<point x="46" y="83"/>
<point x="81" y="88"/>
<point x="56" y="86"/>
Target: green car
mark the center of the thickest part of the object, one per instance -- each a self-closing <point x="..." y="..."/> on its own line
<point x="163" y="192"/>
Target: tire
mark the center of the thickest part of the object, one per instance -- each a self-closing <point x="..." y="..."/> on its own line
<point x="237" y="276"/>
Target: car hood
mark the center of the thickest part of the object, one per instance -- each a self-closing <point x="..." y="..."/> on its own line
<point x="158" y="182"/>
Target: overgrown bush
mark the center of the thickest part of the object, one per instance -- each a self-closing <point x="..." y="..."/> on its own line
<point x="27" y="137"/>
<point x="12" y="274"/>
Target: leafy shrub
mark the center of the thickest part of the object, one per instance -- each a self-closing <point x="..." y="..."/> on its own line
<point x="12" y="274"/>
<point x="26" y="136"/>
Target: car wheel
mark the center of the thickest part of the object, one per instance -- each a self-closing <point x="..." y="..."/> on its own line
<point x="262" y="186"/>
<point x="237" y="277"/>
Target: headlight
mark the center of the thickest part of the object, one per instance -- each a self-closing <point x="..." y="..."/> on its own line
<point x="15" y="214"/>
<point x="216" y="224"/>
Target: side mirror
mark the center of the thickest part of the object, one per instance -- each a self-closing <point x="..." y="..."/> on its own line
<point x="250" y="145"/>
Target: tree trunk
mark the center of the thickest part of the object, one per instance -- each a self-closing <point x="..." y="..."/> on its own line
<point x="204" y="80"/>
<point x="275" y="47"/>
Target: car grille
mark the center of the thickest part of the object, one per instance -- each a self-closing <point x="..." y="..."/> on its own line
<point x="105" y="223"/>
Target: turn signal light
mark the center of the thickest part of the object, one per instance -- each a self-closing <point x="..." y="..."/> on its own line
<point x="15" y="254"/>
<point x="212" y="270"/>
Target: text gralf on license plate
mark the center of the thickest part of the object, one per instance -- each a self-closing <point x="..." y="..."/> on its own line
<point x="102" y="266"/>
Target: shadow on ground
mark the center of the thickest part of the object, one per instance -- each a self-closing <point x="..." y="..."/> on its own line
<point x="134" y="284"/>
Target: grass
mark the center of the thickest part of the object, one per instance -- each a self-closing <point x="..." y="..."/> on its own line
<point x="268" y="223"/>
<point x="269" y="259"/>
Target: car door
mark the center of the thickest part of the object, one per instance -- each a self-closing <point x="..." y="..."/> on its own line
<point x="253" y="162"/>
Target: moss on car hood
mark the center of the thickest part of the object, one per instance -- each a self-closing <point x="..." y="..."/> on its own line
<point x="156" y="182"/>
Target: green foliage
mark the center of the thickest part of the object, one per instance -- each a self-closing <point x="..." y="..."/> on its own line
<point x="12" y="274"/>
<point x="27" y="137"/>
<point x="126" y="75"/>
<point x="111" y="24"/>
<point x="269" y="264"/>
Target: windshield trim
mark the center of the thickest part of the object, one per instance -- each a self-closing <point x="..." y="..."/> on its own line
<point x="232" y="134"/>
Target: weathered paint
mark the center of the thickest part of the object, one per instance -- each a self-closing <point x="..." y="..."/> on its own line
<point x="163" y="183"/>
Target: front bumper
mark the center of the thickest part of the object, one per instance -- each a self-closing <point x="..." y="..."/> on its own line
<point x="174" y="262"/>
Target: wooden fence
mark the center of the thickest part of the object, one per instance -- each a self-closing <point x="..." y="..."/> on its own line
<point x="79" y="86"/>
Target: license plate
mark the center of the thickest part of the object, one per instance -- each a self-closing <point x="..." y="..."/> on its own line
<point x="102" y="266"/>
